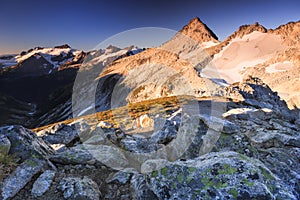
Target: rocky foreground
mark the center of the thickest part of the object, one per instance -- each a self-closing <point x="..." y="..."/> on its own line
<point x="249" y="150"/>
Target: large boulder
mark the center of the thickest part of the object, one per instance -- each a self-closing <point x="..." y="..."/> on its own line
<point x="223" y="175"/>
<point x="166" y="134"/>
<point x="65" y="133"/>
<point x="138" y="145"/>
<point x="93" y="155"/>
<point x="24" y="143"/>
<point x="285" y="164"/>
<point x="74" y="155"/>
<point x="259" y="95"/>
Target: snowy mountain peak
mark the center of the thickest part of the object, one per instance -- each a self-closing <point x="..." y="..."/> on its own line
<point x="111" y="49"/>
<point x="41" y="60"/>
<point x="199" y="31"/>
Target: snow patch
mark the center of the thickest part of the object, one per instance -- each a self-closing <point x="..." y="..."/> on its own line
<point x="279" y="67"/>
<point x="238" y="111"/>
<point x="209" y="44"/>
<point x="85" y="110"/>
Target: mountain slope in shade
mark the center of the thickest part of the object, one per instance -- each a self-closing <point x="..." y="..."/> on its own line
<point x="51" y="93"/>
<point x="14" y="111"/>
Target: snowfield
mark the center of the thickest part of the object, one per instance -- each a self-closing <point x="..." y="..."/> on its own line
<point x="279" y="67"/>
<point x="241" y="53"/>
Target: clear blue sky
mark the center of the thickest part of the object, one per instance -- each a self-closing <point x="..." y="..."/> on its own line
<point x="84" y="23"/>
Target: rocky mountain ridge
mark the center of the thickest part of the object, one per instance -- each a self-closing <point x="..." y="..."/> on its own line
<point x="271" y="55"/>
<point x="183" y="48"/>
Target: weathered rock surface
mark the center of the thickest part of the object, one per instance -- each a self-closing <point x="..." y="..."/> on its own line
<point x="78" y="188"/>
<point x="21" y="176"/>
<point x="249" y="151"/>
<point x="92" y="154"/>
<point x="75" y="155"/>
<point x="4" y="145"/>
<point x="141" y="188"/>
<point x="138" y="145"/>
<point x="121" y="177"/>
<point x="43" y="183"/>
<point x="224" y="175"/>
<point x="59" y="134"/>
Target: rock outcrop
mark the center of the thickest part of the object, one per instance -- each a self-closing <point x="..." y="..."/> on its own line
<point x="21" y="176"/>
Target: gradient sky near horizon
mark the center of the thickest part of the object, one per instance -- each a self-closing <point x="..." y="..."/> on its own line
<point x="83" y="24"/>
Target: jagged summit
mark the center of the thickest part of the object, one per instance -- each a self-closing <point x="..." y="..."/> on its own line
<point x="199" y="31"/>
<point x="247" y="29"/>
<point x="288" y="26"/>
<point x="112" y="48"/>
<point x="64" y="46"/>
<point x="289" y="33"/>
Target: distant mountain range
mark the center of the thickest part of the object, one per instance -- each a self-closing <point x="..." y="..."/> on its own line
<point x="42" y="78"/>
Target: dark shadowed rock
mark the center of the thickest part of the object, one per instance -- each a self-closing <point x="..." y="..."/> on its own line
<point x="60" y="134"/>
<point x="65" y="133"/>
<point x="259" y="95"/>
<point x="141" y="188"/>
<point x="166" y="134"/>
<point x="64" y="46"/>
